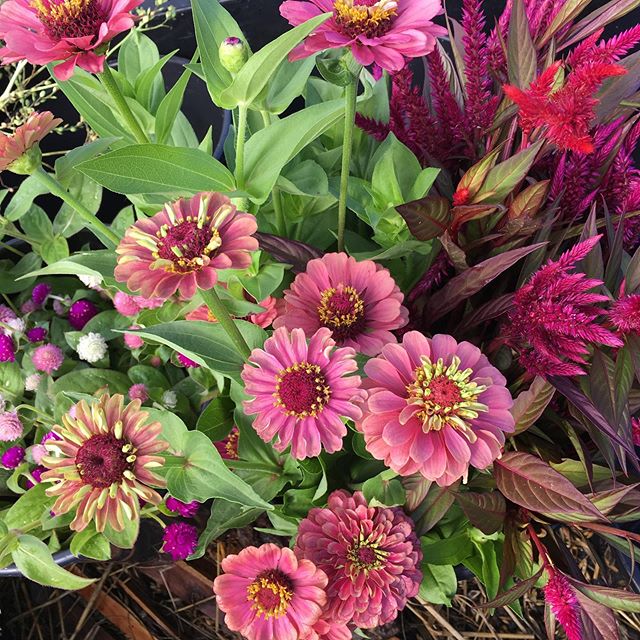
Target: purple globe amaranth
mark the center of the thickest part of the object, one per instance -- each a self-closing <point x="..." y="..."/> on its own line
<point x="81" y="312"/>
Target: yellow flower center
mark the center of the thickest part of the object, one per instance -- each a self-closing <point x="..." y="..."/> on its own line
<point x="446" y="396"/>
<point x="341" y="309"/>
<point x="270" y="594"/>
<point x="365" y="555"/>
<point x="364" y="17"/>
<point x="301" y="390"/>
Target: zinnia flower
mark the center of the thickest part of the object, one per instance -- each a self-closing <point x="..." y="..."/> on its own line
<point x="358" y="301"/>
<point x="386" y="32"/>
<point x="80" y="312"/>
<point x="301" y="392"/>
<point x="108" y="453"/>
<point x="180" y="540"/>
<point x="625" y="314"/>
<point x="262" y="319"/>
<point x="184" y="246"/>
<point x="371" y="556"/>
<point x="554" y="317"/>
<point x="562" y="600"/>
<point x="228" y="448"/>
<point x="268" y="594"/>
<point x="75" y="31"/>
<point x="10" y="426"/>
<point x="327" y="629"/>
<point x="47" y="358"/>
<point x="26" y="136"/>
<point x="435" y="407"/>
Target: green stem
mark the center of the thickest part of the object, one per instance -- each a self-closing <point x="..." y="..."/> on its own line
<point x="109" y="83"/>
<point x="350" y="93"/>
<point x="106" y="236"/>
<point x="219" y="310"/>
<point x="241" y="135"/>
<point x="276" y="196"/>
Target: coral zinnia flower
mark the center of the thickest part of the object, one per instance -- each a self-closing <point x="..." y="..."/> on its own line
<point x="435" y="407"/>
<point x="26" y="136"/>
<point x="371" y="556"/>
<point x="184" y="246"/>
<point x="301" y="392"/>
<point x="359" y="301"/>
<point x="107" y="452"/>
<point x="262" y="319"/>
<point x="384" y="32"/>
<point x="268" y="594"/>
<point x="43" y="31"/>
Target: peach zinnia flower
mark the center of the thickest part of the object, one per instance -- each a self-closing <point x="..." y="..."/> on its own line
<point x="359" y="301"/>
<point x="43" y="31"/>
<point x="185" y="245"/>
<point x="268" y="594"/>
<point x="26" y="136"/>
<point x="102" y="464"/>
<point x="435" y="407"/>
<point x="302" y="391"/>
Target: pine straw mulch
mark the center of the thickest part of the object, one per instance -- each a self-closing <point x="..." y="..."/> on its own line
<point x="147" y="598"/>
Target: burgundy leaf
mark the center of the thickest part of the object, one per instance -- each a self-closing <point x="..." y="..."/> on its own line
<point x="488" y="311"/>
<point x="529" y="405"/>
<point x="616" y="599"/>
<point x="427" y="218"/>
<point x="598" y="621"/>
<point x="531" y="483"/>
<point x="434" y="507"/>
<point x="292" y="252"/>
<point x="511" y="595"/>
<point x="486" y="511"/>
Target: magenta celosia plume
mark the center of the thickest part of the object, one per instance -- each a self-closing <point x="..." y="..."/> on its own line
<point x="73" y="31"/>
<point x="183" y="246"/>
<point x="37" y="126"/>
<point x="562" y="600"/>
<point x="267" y="593"/>
<point x="382" y="32"/>
<point x="300" y="392"/>
<point x="625" y="314"/>
<point x="435" y="407"/>
<point x="371" y="556"/>
<point x="359" y="301"/>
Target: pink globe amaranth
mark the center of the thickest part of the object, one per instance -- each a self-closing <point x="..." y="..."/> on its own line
<point x="47" y="358"/>
<point x="371" y="556"/>
<point x="385" y="33"/>
<point x="268" y="593"/>
<point x="7" y="349"/>
<point x="132" y="340"/>
<point x="74" y="31"/>
<point x="183" y="247"/>
<point x="125" y="304"/>
<point x="435" y="407"/>
<point x="139" y="391"/>
<point x="37" y="126"/>
<point x="358" y="301"/>
<point x="300" y="392"/>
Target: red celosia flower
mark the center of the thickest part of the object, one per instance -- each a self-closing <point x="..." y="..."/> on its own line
<point x="635" y="431"/>
<point x="555" y="317"/>
<point x="567" y="112"/>
<point x="625" y="313"/>
<point x="561" y="598"/>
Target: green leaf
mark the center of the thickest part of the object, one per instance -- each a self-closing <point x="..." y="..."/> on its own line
<point x="216" y="421"/>
<point x="286" y="85"/>
<point x="439" y="584"/>
<point x="137" y="53"/>
<point x="170" y="107"/>
<point x="65" y="165"/>
<point x="10" y="279"/>
<point x="55" y="249"/>
<point x="126" y="538"/>
<point x="34" y="560"/>
<point x="23" y="198"/>
<point x="149" y="86"/>
<point x="11" y="384"/>
<point x="158" y="169"/>
<point x="91" y="380"/>
<point x="36" y="224"/>
<point x="521" y="52"/>
<point x="28" y="508"/>
<point x="452" y="550"/>
<point x="91" y="263"/>
<point x="91" y="544"/>
<point x="381" y="490"/>
<point x="615" y="599"/>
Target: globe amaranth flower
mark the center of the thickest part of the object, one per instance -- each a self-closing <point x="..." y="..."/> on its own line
<point x="92" y="282"/>
<point x="36" y="453"/>
<point x="16" y="326"/>
<point x="359" y="301"/>
<point x="435" y="407"/>
<point x="28" y="306"/>
<point x="184" y="246"/>
<point x="37" y="334"/>
<point x="371" y="556"/>
<point x="625" y="314"/>
<point x="186" y="361"/>
<point x="12" y="457"/>
<point x="47" y="358"/>
<point x="562" y="600"/>
<point x="74" y="31"/>
<point x="35" y="476"/>
<point x="555" y="316"/>
<point x="385" y="33"/>
<point x="32" y="382"/>
<point x="170" y="399"/>
<point x="40" y="293"/>
<point x="179" y="540"/>
<point x="302" y="391"/>
<point x="104" y="463"/>
<point x="7" y="314"/>
<point x="7" y="349"/>
<point x="25" y="138"/>
<point x="267" y="592"/>
<point x="132" y="340"/>
<point x="228" y="448"/>
<point x="80" y="312"/>
<point x="10" y="426"/>
<point x="185" y="509"/>
<point x="92" y="347"/>
<point x="138" y="391"/>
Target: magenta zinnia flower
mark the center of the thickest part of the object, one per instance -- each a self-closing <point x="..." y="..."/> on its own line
<point x="301" y="392"/>
<point x="75" y="31"/>
<point x="359" y="301"/>
<point x="108" y="452"/>
<point x="185" y="245"/>
<point x="371" y="556"/>
<point x="625" y="314"/>
<point x="435" y="407"/>
<point x="268" y="593"/>
<point x="555" y="317"/>
<point x="382" y="32"/>
<point x="26" y="136"/>
<point x="562" y="600"/>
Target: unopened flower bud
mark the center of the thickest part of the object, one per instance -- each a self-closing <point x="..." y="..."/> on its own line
<point x="233" y="54"/>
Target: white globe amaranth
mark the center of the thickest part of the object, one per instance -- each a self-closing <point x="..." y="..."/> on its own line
<point x="17" y="325"/>
<point x="92" y="347"/>
<point x="92" y="282"/>
<point x="32" y="381"/>
<point x="169" y="399"/>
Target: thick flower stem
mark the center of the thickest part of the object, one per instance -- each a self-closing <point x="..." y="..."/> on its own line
<point x="106" y="235"/>
<point x="276" y="197"/>
<point x="241" y="135"/>
<point x="350" y="93"/>
<point x="109" y="83"/>
<point x="219" y="310"/>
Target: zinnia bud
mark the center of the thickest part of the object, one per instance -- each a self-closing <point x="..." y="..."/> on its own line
<point x="233" y="54"/>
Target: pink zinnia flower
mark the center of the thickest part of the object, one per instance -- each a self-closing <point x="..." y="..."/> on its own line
<point x="562" y="600"/>
<point x="37" y="126"/>
<point x="383" y="32"/>
<point x="267" y="593"/>
<point x="262" y="319"/>
<point x="327" y="629"/>
<point x="301" y="392"/>
<point x="185" y="509"/>
<point x="625" y="314"/>
<point x="80" y="312"/>
<point x="435" y="407"/>
<point x="228" y="448"/>
<point x="75" y="31"/>
<point x="184" y="246"/>
<point x="7" y="349"/>
<point x="47" y="358"/>
<point x="359" y="301"/>
<point x="371" y="556"/>
<point x="12" y="457"/>
<point x="10" y="426"/>
<point x="180" y="540"/>
<point x="555" y="317"/>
